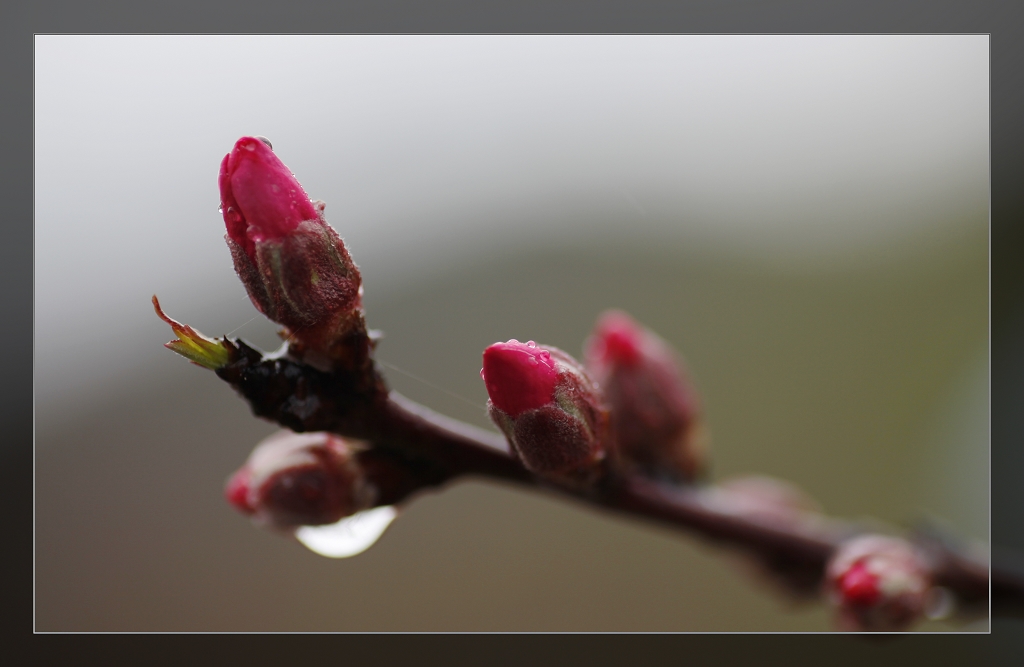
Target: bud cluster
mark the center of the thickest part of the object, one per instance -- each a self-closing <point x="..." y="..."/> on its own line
<point x="630" y="409"/>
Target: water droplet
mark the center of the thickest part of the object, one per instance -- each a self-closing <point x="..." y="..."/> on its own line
<point x="530" y="343"/>
<point x="351" y="536"/>
<point x="232" y="215"/>
<point x="266" y="141"/>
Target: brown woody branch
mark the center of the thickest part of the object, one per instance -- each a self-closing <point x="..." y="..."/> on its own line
<point x="438" y="449"/>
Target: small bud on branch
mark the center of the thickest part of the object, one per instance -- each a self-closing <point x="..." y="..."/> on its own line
<point x="655" y="412"/>
<point x="306" y="479"/>
<point x="547" y="407"/>
<point x="878" y="583"/>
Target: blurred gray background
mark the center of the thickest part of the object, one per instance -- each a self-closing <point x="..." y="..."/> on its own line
<point x="805" y="218"/>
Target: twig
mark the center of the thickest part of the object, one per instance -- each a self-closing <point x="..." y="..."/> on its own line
<point x="441" y="449"/>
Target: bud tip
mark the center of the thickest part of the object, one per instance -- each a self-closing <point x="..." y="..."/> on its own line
<point x="260" y="197"/>
<point x="618" y="338"/>
<point x="236" y="491"/>
<point x="519" y="376"/>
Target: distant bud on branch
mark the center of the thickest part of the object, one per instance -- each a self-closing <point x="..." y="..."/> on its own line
<point x="547" y="407"/>
<point x="769" y="500"/>
<point x="878" y="583"/>
<point x="778" y="504"/>
<point x="654" y="409"/>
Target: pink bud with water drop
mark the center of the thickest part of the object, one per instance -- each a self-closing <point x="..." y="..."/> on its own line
<point x="300" y="479"/>
<point x="294" y="266"/>
<point x="547" y="407"/>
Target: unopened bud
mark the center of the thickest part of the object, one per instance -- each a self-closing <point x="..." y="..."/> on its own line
<point x="878" y="583"/>
<point x="778" y="504"/>
<point x="547" y="407"/>
<point x="767" y="500"/>
<point x="294" y="266"/>
<point x="654" y="409"/>
<point x="300" y="479"/>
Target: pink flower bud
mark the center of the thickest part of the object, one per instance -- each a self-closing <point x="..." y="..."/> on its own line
<point x="519" y="376"/>
<point x="878" y="583"/>
<point x="655" y="411"/>
<point x="767" y="500"/>
<point x="547" y="407"/>
<point x="300" y="479"/>
<point x="294" y="266"/>
<point x="260" y="197"/>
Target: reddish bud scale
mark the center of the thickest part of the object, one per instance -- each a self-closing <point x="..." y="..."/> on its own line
<point x="294" y="266"/>
<point x="547" y="407"/>
<point x="301" y="280"/>
<point x="654" y="409"/>
<point x="878" y="583"/>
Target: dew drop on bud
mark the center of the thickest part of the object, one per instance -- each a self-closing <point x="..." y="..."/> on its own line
<point x="351" y="536"/>
<point x="530" y="343"/>
<point x="266" y="141"/>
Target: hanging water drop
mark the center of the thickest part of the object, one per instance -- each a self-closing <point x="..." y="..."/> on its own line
<point x="350" y="536"/>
